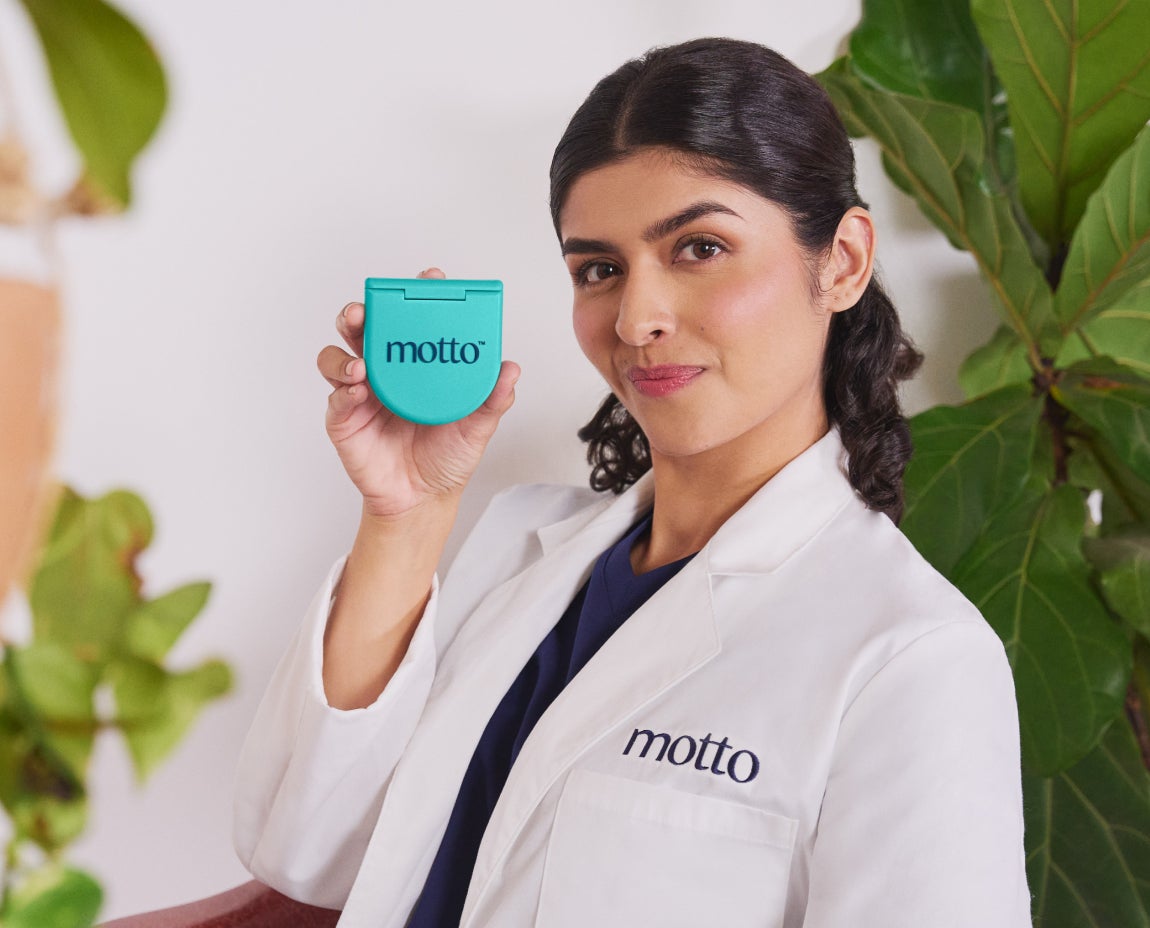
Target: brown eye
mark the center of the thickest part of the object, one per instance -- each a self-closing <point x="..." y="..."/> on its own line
<point x="700" y="250"/>
<point x="595" y="272"/>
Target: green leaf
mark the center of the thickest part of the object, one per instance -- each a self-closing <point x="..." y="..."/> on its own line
<point x="1123" y="563"/>
<point x="50" y="823"/>
<point x="109" y="82"/>
<point x="58" y="688"/>
<point x="938" y="152"/>
<point x="1109" y="255"/>
<point x="923" y="50"/>
<point x="53" y="897"/>
<point x="1088" y="839"/>
<point x="57" y="684"/>
<point x="1094" y="465"/>
<point x="1121" y="332"/>
<point x="156" y="708"/>
<point x="999" y="363"/>
<point x="86" y="584"/>
<point x="156" y="625"/>
<point x="968" y="461"/>
<point x="1077" y="79"/>
<point x="933" y="51"/>
<point x="1028" y="577"/>
<point x="1116" y="402"/>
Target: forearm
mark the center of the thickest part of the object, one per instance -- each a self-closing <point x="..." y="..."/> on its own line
<point x="379" y="600"/>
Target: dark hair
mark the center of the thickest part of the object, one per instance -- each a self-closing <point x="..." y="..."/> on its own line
<point x="746" y="114"/>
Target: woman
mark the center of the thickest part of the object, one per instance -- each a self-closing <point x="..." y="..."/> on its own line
<point x="730" y="692"/>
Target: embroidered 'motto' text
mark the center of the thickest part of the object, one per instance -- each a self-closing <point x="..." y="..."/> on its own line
<point x="742" y="766"/>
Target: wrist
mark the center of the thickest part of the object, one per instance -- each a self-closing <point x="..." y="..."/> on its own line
<point x="431" y="511"/>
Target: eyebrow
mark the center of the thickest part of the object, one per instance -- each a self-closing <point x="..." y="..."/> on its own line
<point x="653" y="232"/>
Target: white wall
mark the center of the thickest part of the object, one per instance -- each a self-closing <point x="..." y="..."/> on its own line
<point x="308" y="146"/>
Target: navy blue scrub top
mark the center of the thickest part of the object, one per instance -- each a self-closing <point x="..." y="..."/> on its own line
<point x="611" y="594"/>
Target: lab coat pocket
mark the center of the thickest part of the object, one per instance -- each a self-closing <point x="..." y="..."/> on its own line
<point x="625" y="853"/>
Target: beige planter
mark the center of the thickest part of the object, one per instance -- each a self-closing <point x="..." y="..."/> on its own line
<point x="29" y="365"/>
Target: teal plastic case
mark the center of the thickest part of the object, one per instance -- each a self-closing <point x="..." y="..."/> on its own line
<point x="432" y="347"/>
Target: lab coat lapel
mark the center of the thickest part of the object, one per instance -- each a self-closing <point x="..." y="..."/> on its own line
<point x="672" y="635"/>
<point x="470" y="681"/>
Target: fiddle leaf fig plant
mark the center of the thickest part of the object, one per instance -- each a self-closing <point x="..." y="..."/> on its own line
<point x="1019" y="128"/>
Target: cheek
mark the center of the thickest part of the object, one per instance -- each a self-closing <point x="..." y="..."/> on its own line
<point x="776" y="309"/>
<point x="592" y="332"/>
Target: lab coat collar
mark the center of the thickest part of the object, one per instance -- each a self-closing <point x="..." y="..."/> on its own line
<point x="623" y="510"/>
<point x="785" y="513"/>
<point x="780" y="518"/>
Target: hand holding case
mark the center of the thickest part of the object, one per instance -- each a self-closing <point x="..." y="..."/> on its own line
<point x="432" y="347"/>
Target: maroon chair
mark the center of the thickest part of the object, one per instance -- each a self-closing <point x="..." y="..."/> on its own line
<point x="251" y="905"/>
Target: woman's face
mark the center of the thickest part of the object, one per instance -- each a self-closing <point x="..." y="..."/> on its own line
<point x="697" y="305"/>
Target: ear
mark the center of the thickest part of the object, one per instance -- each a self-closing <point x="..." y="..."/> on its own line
<point x="850" y="262"/>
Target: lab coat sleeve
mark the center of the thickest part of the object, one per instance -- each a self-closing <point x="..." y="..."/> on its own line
<point x="921" y="822"/>
<point x="311" y="778"/>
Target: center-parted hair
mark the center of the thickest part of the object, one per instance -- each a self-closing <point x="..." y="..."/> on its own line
<point x="744" y="113"/>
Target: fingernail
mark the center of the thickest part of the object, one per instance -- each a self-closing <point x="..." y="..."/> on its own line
<point x="348" y="368"/>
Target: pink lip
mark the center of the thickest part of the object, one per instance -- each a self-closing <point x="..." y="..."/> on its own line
<point x="662" y="380"/>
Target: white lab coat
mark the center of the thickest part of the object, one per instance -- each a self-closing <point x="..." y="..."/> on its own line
<point x="878" y="782"/>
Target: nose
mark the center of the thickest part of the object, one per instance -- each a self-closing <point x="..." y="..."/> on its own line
<point x="645" y="310"/>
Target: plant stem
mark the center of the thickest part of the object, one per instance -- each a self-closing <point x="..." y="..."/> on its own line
<point x="11" y="859"/>
<point x="1138" y="698"/>
<point x="1137" y="717"/>
<point x="1054" y="268"/>
<point x="1056" y="417"/>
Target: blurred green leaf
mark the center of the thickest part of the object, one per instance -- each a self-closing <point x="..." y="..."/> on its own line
<point x="86" y="584"/>
<point x="1110" y="253"/>
<point x="938" y="152"/>
<point x="56" y="683"/>
<point x="1123" y="563"/>
<point x="156" y="625"/>
<point x="1116" y="402"/>
<point x="1088" y="838"/>
<point x="968" y="461"/>
<point x="999" y="363"/>
<point x="50" y="823"/>
<point x="58" y="688"/>
<point x="1077" y="79"/>
<point x="109" y="82"/>
<point x="54" y="897"/>
<point x="1071" y="660"/>
<point x="156" y="708"/>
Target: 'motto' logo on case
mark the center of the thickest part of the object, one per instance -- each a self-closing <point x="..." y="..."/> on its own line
<point x="444" y="351"/>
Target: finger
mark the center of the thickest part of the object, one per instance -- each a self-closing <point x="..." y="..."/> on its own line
<point x="349" y="407"/>
<point x="482" y="422"/>
<point x="339" y="368"/>
<point x="345" y="399"/>
<point x="349" y="324"/>
<point x="432" y="272"/>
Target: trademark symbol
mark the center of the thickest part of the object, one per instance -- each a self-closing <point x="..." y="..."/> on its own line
<point x="482" y="342"/>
